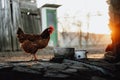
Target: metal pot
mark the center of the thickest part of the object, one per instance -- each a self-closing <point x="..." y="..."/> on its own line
<point x="67" y="53"/>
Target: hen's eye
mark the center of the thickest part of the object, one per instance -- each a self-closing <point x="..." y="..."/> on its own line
<point x="48" y="29"/>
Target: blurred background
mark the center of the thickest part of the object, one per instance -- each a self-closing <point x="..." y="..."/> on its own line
<point x="81" y="24"/>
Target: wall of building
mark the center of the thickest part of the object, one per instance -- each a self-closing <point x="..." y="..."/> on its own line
<point x="12" y="16"/>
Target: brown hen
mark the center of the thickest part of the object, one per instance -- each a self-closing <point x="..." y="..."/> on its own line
<point x="30" y="43"/>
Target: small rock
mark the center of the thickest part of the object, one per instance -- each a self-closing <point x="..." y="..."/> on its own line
<point x="57" y="66"/>
<point x="55" y="75"/>
<point x="70" y="71"/>
<point x="25" y="70"/>
<point x="5" y="66"/>
<point x="97" y="78"/>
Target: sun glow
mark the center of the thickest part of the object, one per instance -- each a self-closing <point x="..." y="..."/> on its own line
<point x="93" y="15"/>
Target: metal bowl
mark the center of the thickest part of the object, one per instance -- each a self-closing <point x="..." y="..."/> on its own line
<point x="80" y="54"/>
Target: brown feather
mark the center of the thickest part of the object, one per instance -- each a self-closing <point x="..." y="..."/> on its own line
<point x="30" y="43"/>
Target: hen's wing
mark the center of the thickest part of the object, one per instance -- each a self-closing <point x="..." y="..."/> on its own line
<point x="29" y="46"/>
<point x="42" y="43"/>
<point x="30" y="37"/>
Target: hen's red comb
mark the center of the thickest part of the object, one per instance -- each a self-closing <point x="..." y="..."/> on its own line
<point x="51" y="27"/>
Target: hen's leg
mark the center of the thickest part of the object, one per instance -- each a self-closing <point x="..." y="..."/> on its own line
<point x="35" y="58"/>
<point x="32" y="57"/>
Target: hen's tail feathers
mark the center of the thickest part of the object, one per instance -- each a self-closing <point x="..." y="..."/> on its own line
<point x="19" y="31"/>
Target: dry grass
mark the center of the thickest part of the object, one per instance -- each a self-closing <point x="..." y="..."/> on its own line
<point x="97" y="55"/>
<point x="28" y="57"/>
<point x="94" y="52"/>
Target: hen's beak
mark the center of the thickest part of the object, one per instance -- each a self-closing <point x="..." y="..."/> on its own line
<point x="50" y="31"/>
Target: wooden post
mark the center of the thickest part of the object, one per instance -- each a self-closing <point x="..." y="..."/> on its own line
<point x="114" y="13"/>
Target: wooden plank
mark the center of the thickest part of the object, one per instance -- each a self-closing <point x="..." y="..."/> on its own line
<point x="31" y="24"/>
<point x="11" y="19"/>
<point x="5" y="25"/>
